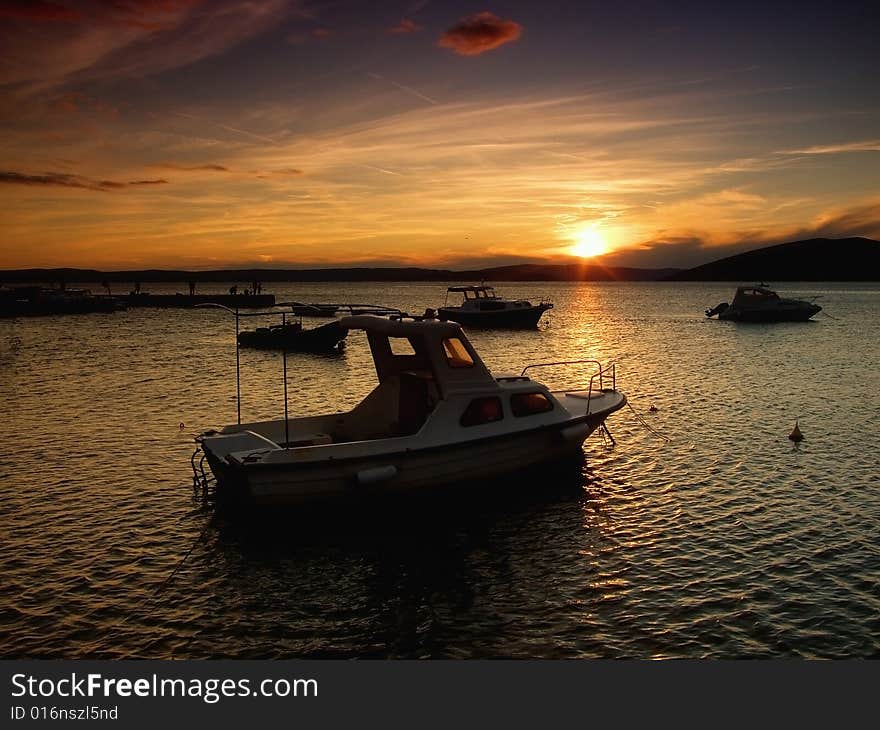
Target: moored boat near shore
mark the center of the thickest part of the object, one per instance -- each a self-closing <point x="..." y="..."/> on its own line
<point x="293" y="337"/>
<point x="482" y="307"/>
<point x="436" y="418"/>
<point x="760" y="304"/>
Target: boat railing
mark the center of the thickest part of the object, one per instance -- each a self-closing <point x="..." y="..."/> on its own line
<point x="378" y="309"/>
<point x="604" y="374"/>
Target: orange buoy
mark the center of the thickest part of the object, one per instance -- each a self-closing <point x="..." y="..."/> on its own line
<point x="796" y="434"/>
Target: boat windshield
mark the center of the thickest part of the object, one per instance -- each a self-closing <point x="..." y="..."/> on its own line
<point x="474" y="292"/>
<point x="755" y="294"/>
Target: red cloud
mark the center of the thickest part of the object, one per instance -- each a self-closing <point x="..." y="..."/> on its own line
<point x="53" y="41"/>
<point x="405" y="26"/>
<point x="37" y="10"/>
<point x="479" y="33"/>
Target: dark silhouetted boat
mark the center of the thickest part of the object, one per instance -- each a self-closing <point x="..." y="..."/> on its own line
<point x="311" y="310"/>
<point x="760" y="304"/>
<point x="482" y="307"/>
<point x="293" y="337"/>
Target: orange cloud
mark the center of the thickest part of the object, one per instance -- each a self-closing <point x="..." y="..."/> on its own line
<point x="479" y="33"/>
<point x="405" y="26"/>
<point x="192" y="168"/>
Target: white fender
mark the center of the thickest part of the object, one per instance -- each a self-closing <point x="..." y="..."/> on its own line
<point x="376" y="474"/>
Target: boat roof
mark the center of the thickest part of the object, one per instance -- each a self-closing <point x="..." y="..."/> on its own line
<point x="440" y="352"/>
<point x="473" y="287"/>
<point x="400" y="328"/>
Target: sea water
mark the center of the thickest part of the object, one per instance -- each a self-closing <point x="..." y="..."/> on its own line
<point x="702" y="532"/>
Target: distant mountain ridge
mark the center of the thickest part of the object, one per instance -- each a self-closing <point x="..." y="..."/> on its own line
<point x="815" y="259"/>
<point x="518" y="272"/>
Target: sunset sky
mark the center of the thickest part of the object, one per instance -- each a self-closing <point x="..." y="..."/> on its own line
<point x="187" y="134"/>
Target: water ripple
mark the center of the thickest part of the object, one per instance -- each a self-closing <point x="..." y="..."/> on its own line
<point x="725" y="541"/>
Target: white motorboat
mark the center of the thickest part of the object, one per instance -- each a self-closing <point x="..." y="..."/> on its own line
<point x="437" y="417"/>
<point x="760" y="304"/>
<point x="482" y="307"/>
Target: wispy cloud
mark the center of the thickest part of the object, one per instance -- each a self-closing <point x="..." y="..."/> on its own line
<point x="686" y="247"/>
<point x="94" y="39"/>
<point x="70" y="181"/>
<point x="191" y="168"/>
<point x="834" y="149"/>
<point x="405" y="27"/>
<point x="479" y="33"/>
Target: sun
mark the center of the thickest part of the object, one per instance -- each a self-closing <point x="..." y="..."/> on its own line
<point x="589" y="243"/>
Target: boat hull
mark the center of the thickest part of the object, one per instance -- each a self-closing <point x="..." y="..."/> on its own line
<point x="513" y="318"/>
<point x="327" y="338"/>
<point x="409" y="471"/>
<point x="760" y="316"/>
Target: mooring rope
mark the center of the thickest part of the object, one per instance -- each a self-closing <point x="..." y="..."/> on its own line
<point x="181" y="561"/>
<point x="647" y="425"/>
<point x="152" y="597"/>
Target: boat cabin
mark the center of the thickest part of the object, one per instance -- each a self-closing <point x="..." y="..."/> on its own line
<point x="427" y="371"/>
<point x="754" y="295"/>
<point x="482" y="299"/>
<point x="417" y="364"/>
<point x="473" y="292"/>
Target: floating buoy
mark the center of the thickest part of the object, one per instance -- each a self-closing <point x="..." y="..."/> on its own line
<point x="182" y="425"/>
<point x="796" y="434"/>
<point x="653" y="408"/>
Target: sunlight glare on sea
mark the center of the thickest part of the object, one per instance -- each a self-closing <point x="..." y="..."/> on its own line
<point x="727" y="540"/>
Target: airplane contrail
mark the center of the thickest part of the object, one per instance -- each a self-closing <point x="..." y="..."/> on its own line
<point x="227" y="128"/>
<point x="382" y="169"/>
<point x="407" y="89"/>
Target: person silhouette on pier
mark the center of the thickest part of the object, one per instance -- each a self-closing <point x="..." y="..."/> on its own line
<point x="192" y="288"/>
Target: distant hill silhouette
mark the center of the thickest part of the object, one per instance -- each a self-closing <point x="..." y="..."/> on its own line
<point x="816" y="259"/>
<point x="519" y="272"/>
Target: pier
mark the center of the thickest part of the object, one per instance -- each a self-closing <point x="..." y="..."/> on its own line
<point x="233" y="301"/>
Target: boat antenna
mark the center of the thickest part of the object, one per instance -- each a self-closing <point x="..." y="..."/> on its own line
<point x="284" y="377"/>
<point x="238" y="358"/>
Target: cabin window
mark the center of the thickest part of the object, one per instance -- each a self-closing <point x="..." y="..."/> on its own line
<point x="530" y="404"/>
<point x="482" y="410"/>
<point x="456" y="353"/>
<point x="401" y="346"/>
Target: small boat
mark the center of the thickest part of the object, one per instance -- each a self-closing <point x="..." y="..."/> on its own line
<point x="482" y="307"/>
<point x="437" y="417"/>
<point x="760" y="304"/>
<point x="293" y="337"/>
<point x="311" y="310"/>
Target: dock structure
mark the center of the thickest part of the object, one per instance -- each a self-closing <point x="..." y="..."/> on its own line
<point x="233" y="301"/>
